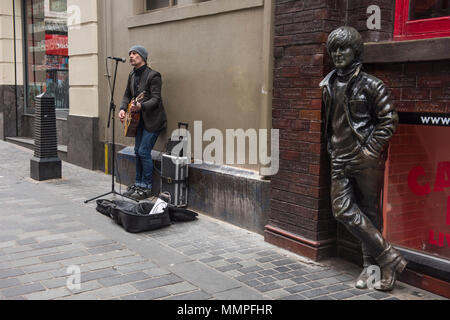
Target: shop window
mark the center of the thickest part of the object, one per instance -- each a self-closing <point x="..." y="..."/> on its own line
<point x="417" y="186"/>
<point x="46" y="47"/>
<point x="421" y="19"/>
<point x="159" y="4"/>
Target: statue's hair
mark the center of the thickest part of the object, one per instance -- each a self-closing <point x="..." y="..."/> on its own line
<point x="346" y="37"/>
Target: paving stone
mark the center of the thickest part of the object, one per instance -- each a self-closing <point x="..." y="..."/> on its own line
<point x="234" y="266"/>
<point x="298" y="288"/>
<point x="277" y="294"/>
<point x="7" y="283"/>
<point x="248" y="276"/>
<point x="267" y="279"/>
<point x="98" y="243"/>
<point x="98" y="274"/>
<point x="267" y="272"/>
<point x="48" y="294"/>
<point x="265" y="253"/>
<point x="114" y="281"/>
<point x="379" y="295"/>
<point x="264" y="259"/>
<point x="300" y="280"/>
<point x="253" y="283"/>
<point x="298" y="273"/>
<point x="283" y="262"/>
<point x="314" y="293"/>
<point x="294" y="297"/>
<point x="7" y="273"/>
<point x="55" y="283"/>
<point x="85" y="287"/>
<point x="212" y="259"/>
<point x="250" y="269"/>
<point x="285" y="283"/>
<point x="157" y="282"/>
<point x="135" y="267"/>
<point x="147" y="295"/>
<point x="63" y="256"/>
<point x="282" y="269"/>
<point x="180" y="287"/>
<point x="315" y="284"/>
<point x="35" y="277"/>
<point x="282" y="276"/>
<point x="156" y="272"/>
<point x="115" y="291"/>
<point x="337" y="287"/>
<point x="342" y="295"/>
<point x="330" y="281"/>
<point x="233" y="260"/>
<point x="268" y="287"/>
<point x="22" y="290"/>
<point x="51" y="244"/>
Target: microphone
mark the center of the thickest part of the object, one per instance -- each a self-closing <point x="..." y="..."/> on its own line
<point x="117" y="59"/>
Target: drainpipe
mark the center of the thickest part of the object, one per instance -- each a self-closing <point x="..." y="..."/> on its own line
<point x="15" y="68"/>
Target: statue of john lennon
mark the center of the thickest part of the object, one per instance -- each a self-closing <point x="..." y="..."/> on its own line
<point x="359" y="121"/>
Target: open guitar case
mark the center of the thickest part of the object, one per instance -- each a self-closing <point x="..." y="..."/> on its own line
<point x="135" y="217"/>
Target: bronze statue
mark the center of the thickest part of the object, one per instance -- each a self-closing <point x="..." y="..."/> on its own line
<point x="359" y="121"/>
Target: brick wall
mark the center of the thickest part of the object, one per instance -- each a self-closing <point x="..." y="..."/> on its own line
<point x="300" y="191"/>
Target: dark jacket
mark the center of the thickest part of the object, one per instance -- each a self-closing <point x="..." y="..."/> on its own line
<point x="370" y="113"/>
<point x="152" y="113"/>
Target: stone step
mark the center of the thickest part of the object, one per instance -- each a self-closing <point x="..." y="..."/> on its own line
<point x="28" y="143"/>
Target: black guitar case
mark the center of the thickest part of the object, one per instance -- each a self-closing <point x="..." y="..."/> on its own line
<point x="134" y="217"/>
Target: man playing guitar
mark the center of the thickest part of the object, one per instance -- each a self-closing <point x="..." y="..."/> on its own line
<point x="152" y="120"/>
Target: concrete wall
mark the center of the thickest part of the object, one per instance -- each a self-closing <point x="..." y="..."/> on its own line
<point x="214" y="57"/>
<point x="84" y="78"/>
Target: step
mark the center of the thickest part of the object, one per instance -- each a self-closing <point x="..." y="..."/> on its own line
<point x="29" y="144"/>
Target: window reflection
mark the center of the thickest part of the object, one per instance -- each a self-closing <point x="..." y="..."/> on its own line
<point x="47" y="50"/>
<point x="426" y="9"/>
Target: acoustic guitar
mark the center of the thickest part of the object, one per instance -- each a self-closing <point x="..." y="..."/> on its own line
<point x="132" y="119"/>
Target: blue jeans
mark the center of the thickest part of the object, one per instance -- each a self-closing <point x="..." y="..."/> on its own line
<point x="144" y="143"/>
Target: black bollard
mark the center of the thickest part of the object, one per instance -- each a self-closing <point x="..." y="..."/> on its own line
<point x="45" y="164"/>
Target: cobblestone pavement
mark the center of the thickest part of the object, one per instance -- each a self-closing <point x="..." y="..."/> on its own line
<point x="45" y="228"/>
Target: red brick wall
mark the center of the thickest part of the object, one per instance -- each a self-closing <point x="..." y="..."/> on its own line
<point x="300" y="191"/>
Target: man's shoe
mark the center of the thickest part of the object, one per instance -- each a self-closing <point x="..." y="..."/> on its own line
<point x="132" y="189"/>
<point x="141" y="193"/>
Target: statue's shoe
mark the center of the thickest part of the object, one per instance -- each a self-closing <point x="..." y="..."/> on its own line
<point x="390" y="272"/>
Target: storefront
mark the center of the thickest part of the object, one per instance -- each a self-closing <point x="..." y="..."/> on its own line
<point x="46" y="52"/>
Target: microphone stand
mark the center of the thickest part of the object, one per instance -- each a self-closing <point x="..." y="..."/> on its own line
<point x="112" y="112"/>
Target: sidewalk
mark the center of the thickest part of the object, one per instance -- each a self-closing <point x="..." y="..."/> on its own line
<point x="45" y="227"/>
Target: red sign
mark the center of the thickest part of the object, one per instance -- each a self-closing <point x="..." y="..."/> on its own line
<point x="56" y="44"/>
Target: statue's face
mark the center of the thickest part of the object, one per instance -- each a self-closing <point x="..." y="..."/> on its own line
<point x="343" y="57"/>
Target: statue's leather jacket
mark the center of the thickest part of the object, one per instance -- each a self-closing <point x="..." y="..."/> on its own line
<point x="369" y="111"/>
